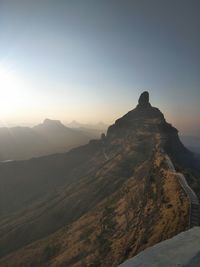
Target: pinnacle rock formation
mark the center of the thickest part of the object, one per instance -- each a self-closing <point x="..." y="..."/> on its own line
<point x="143" y="114"/>
<point x="143" y="101"/>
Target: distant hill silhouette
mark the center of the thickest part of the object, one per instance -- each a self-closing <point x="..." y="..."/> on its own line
<point x="191" y="142"/>
<point x="49" y="137"/>
<point x="98" y="126"/>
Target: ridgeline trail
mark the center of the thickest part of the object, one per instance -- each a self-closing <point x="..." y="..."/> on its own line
<point x="194" y="214"/>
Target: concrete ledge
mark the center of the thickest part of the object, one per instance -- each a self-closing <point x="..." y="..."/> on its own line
<point x="182" y="250"/>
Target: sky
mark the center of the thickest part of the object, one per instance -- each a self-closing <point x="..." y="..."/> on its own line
<point x="89" y="60"/>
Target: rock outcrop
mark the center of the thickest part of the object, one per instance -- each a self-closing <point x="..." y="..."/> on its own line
<point x="144" y="116"/>
<point x="143" y="101"/>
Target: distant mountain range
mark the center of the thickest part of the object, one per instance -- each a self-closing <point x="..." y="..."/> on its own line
<point x="191" y="142"/>
<point x="101" y="203"/>
<point x="49" y="137"/>
<point x="97" y="126"/>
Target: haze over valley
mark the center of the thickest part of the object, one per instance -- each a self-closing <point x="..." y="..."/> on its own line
<point x="49" y="137"/>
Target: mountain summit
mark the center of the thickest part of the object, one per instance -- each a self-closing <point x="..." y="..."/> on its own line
<point x="144" y="116"/>
<point x="101" y="203"/>
<point x="143" y="101"/>
<point x="49" y="122"/>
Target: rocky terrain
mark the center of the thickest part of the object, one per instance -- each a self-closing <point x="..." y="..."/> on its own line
<point x="101" y="203"/>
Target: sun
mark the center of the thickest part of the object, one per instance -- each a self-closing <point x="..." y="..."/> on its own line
<point x="11" y="90"/>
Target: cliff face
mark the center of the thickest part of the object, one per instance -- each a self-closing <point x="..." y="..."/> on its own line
<point x="117" y="200"/>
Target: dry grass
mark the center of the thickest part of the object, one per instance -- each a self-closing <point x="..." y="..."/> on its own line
<point x="149" y="207"/>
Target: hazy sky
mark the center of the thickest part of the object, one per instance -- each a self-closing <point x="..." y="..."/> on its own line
<point x="90" y="60"/>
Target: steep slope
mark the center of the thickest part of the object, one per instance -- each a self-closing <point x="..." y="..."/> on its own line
<point x="108" y="200"/>
<point x="148" y="208"/>
<point x="24" y="182"/>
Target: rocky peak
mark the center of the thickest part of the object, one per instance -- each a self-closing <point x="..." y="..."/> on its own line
<point x="143" y="101"/>
<point x="51" y="122"/>
<point x="143" y="118"/>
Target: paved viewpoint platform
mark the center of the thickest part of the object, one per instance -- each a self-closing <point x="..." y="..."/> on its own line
<point x="182" y="250"/>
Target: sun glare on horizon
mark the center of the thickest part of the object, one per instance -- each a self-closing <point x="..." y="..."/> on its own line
<point x="12" y="90"/>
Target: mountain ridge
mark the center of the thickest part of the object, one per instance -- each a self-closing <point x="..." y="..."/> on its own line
<point x="120" y="182"/>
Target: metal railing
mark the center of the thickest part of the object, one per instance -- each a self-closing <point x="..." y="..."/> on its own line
<point x="194" y="214"/>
